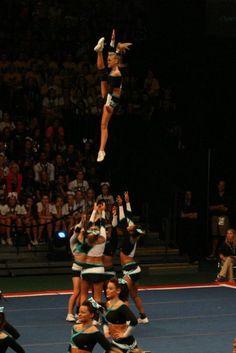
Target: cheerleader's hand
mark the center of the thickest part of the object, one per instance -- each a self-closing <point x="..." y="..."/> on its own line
<point x="109" y="109"/>
<point x="119" y="200"/>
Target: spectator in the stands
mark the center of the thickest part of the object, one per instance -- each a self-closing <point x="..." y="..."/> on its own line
<point x="6" y="122"/>
<point x="60" y="187"/>
<point x="188" y="227"/>
<point x="38" y="138"/>
<point x="43" y="164"/>
<point x="4" y="170"/>
<point x="46" y="213"/>
<point x="54" y="130"/>
<point x="80" y="200"/>
<point x="88" y="157"/>
<point x="219" y="215"/>
<point x="33" y="124"/>
<point x="28" y="156"/>
<point x="107" y="197"/>
<point x="12" y="214"/>
<point x="68" y="210"/>
<point x="59" y="220"/>
<point x="90" y="198"/>
<point x="14" y="179"/>
<point x="79" y="165"/>
<point x="61" y="167"/>
<point x="52" y="106"/>
<point x="3" y="148"/>
<point x="60" y="145"/>
<point x="12" y="78"/>
<point x="44" y="186"/>
<point x="71" y="156"/>
<point x="7" y="142"/>
<point x="79" y="183"/>
<point x="47" y="148"/>
<point x="227" y="257"/>
<point x="18" y="138"/>
<point x="30" y="219"/>
<point x="34" y="74"/>
<point x="29" y="185"/>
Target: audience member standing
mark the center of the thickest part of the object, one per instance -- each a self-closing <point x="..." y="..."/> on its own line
<point x="219" y="216"/>
<point x="188" y="230"/>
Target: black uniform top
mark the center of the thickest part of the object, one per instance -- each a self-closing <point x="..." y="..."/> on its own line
<point x="121" y="315"/>
<point x="128" y="243"/>
<point x="9" y="342"/>
<point x="11" y="330"/>
<point x="87" y="340"/>
<point x="114" y="82"/>
<point x="111" y="244"/>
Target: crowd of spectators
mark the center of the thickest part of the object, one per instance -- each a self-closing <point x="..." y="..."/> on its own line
<point x="50" y="104"/>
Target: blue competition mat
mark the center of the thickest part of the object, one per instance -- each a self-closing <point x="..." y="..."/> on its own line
<point x="182" y="320"/>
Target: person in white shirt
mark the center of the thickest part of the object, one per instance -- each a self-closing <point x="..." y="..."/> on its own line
<point x="79" y="183"/>
<point x="12" y="213"/>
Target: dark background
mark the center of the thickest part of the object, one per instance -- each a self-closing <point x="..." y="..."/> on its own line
<point x="189" y="50"/>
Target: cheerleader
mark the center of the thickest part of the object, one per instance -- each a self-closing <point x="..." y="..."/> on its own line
<point x="85" y="335"/>
<point x="119" y="321"/>
<point x="78" y="249"/>
<point x="111" y="85"/>
<point x="111" y="245"/>
<point x="8" y="335"/>
<point x="130" y="235"/>
<point x="93" y="270"/>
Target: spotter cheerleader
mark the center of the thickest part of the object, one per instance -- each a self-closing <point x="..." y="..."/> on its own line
<point x="93" y="270"/>
<point x="78" y="249"/>
<point x="129" y="236"/>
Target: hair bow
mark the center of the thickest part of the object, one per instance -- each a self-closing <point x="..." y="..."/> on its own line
<point x="94" y="303"/>
<point x="122" y="281"/>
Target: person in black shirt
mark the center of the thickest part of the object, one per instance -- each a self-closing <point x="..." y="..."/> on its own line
<point x="8" y="335"/>
<point x="227" y="257"/>
<point x="119" y="321"/>
<point x="129" y="235"/>
<point x="85" y="335"/>
<point x="219" y="216"/>
<point x="188" y="228"/>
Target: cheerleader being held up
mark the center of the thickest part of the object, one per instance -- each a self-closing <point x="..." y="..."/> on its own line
<point x="111" y="84"/>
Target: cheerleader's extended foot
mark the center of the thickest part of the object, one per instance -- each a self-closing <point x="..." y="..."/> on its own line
<point x="101" y="156"/>
<point x="100" y="45"/>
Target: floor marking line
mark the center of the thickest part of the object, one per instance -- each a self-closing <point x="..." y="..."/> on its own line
<point x="142" y="288"/>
